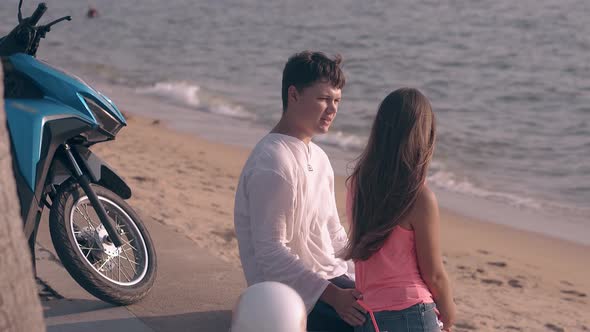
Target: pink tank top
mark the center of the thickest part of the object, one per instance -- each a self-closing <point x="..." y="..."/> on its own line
<point x="390" y="278"/>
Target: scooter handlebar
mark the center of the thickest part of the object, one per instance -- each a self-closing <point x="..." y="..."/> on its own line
<point x="41" y="9"/>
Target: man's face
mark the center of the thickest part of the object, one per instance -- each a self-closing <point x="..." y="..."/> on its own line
<point x="315" y="107"/>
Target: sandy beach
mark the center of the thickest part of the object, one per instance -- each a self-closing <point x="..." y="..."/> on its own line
<point x="504" y="279"/>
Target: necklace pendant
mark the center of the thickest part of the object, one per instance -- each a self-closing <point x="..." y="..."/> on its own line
<point x="309" y="168"/>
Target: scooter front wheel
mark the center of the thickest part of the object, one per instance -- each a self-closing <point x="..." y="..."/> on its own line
<point x="118" y="275"/>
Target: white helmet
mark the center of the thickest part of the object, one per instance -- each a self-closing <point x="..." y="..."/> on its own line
<point x="269" y="306"/>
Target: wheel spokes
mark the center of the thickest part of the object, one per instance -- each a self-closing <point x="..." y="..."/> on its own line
<point x="122" y="265"/>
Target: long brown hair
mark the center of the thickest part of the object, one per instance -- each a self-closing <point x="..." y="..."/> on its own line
<point x="390" y="171"/>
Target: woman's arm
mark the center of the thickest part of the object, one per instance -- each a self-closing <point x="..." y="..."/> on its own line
<point x="425" y="220"/>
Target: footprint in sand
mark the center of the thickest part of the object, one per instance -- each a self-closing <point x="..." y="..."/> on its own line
<point x="492" y="282"/>
<point x="194" y="167"/>
<point x="498" y="264"/>
<point x="515" y="328"/>
<point x="554" y="327"/>
<point x="484" y="252"/>
<point x="228" y="234"/>
<point x="515" y="283"/>
<point x="573" y="292"/>
<point x="568" y="299"/>
<point x="567" y="283"/>
<point x="143" y="178"/>
<point x="466" y="326"/>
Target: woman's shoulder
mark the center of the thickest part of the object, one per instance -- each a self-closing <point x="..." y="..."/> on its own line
<point x="426" y="198"/>
<point x="425" y="206"/>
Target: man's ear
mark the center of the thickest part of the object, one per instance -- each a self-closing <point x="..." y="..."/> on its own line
<point x="293" y="94"/>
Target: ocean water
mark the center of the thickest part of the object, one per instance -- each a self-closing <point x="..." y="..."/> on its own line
<point x="509" y="80"/>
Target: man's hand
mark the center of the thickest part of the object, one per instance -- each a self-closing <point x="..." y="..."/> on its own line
<point x="344" y="301"/>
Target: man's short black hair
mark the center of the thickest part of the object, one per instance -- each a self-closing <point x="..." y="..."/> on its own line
<point x="306" y="68"/>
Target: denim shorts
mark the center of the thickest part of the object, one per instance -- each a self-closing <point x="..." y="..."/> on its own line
<point x="417" y="318"/>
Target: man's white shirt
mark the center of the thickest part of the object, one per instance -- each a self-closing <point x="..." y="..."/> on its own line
<point x="286" y="219"/>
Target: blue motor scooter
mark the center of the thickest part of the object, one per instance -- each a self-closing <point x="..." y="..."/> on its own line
<point x="53" y="119"/>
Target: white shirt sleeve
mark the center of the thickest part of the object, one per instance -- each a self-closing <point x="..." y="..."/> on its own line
<point x="339" y="239"/>
<point x="271" y="204"/>
<point x="337" y="234"/>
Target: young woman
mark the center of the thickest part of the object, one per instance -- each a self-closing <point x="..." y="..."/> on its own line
<point x="394" y="235"/>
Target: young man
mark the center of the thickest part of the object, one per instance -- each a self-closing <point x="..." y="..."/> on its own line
<point x="285" y="214"/>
